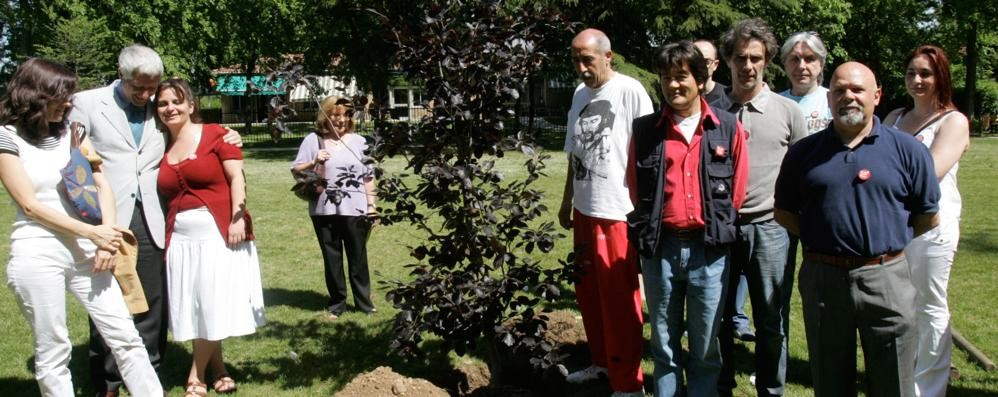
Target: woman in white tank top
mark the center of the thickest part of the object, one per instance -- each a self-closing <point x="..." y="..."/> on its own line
<point x="934" y="121"/>
<point x="51" y="250"/>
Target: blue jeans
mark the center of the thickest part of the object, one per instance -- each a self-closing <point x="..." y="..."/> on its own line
<point x="740" y="320"/>
<point x="761" y="253"/>
<point x="685" y="274"/>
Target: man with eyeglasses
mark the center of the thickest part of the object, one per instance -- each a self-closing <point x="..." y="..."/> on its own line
<point x="715" y="93"/>
<point x="772" y="123"/>
<point x="120" y="121"/>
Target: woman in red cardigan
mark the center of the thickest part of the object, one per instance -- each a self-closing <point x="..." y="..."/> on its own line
<point x="213" y="273"/>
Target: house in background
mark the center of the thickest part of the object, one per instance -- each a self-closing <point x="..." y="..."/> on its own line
<point x="236" y="105"/>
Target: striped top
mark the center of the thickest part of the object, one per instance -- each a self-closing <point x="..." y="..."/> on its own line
<point x="7" y="144"/>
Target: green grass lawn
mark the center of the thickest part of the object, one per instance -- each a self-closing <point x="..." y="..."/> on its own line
<point x="326" y="355"/>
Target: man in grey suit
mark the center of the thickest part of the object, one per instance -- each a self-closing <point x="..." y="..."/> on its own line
<point x="120" y="120"/>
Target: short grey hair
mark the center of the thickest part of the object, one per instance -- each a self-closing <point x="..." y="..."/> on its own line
<point x="138" y="59"/>
<point x="810" y="39"/>
<point x="602" y="43"/>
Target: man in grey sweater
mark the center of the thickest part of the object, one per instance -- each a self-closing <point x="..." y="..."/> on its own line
<point x="772" y="123"/>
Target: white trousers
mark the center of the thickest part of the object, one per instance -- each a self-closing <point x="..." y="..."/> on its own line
<point x="931" y="257"/>
<point x="40" y="272"/>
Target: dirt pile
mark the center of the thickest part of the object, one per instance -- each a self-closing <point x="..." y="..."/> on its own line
<point x="383" y="382"/>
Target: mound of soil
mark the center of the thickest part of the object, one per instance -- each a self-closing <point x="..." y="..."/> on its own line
<point x="385" y="382"/>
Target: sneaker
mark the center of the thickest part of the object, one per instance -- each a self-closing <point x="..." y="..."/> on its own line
<point x="584" y="375"/>
<point x="751" y="379"/>
<point x="628" y="394"/>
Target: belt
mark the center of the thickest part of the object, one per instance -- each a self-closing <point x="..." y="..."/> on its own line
<point x="685" y="234"/>
<point x="852" y="262"/>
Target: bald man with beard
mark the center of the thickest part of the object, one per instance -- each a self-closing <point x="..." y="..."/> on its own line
<point x="856" y="193"/>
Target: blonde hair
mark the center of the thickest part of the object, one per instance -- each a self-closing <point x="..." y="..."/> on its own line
<point x="330" y="105"/>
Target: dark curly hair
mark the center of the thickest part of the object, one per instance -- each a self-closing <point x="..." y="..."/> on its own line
<point x="746" y="30"/>
<point x="35" y="84"/>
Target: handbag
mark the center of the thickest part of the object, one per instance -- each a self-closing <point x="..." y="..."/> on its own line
<point x="309" y="184"/>
<point x="78" y="180"/>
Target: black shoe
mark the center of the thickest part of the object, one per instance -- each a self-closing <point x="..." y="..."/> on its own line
<point x="745" y="335"/>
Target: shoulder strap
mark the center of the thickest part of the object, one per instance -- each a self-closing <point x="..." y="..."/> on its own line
<point x="932" y="120"/>
<point x="75" y="130"/>
<point x="319" y="167"/>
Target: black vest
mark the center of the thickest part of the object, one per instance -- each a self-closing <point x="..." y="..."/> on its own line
<point x="717" y="172"/>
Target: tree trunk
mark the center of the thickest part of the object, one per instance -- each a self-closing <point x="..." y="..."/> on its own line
<point x="970" y="86"/>
<point x="249" y="106"/>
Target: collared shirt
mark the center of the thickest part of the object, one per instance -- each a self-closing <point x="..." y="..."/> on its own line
<point x="857" y="201"/>
<point x="682" y="207"/>
<point x="772" y="123"/>
<point x="136" y="115"/>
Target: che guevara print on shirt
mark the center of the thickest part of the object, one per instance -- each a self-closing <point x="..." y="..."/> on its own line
<point x="592" y="143"/>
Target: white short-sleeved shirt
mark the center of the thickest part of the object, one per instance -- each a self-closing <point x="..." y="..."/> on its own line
<point x="599" y="130"/>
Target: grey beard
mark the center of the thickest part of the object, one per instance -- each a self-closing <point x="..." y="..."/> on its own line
<point x="850" y="118"/>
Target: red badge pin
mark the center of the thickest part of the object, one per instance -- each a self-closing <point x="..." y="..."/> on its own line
<point x="719" y="151"/>
<point x="864" y="174"/>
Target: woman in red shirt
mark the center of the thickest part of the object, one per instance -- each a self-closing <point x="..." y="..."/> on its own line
<point x="213" y="273"/>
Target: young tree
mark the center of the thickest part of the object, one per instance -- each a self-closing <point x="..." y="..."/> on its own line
<point x="476" y="269"/>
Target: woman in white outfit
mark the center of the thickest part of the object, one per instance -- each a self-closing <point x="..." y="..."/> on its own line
<point x="934" y="121"/>
<point x="52" y="251"/>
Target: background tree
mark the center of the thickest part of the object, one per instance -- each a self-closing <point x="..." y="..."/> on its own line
<point x="255" y="32"/>
<point x="83" y="42"/>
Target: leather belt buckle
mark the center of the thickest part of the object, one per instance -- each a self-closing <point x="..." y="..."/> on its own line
<point x="853" y="262"/>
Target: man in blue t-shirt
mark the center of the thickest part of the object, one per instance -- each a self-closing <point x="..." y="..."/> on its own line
<point x="856" y="193"/>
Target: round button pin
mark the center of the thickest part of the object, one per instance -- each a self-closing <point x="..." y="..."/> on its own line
<point x="864" y="174"/>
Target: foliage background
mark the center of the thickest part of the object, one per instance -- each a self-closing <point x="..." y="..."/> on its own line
<point x="343" y="37"/>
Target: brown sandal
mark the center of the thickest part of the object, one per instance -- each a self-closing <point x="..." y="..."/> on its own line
<point x="224" y="384"/>
<point x="196" y="389"/>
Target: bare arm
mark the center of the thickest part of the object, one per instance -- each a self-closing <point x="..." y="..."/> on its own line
<point x="565" y="212"/>
<point x="924" y="222"/>
<point x="237" y="194"/>
<point x="104" y="259"/>
<point x="952" y="140"/>
<point x="788" y="220"/>
<point x="892" y="117"/>
<point x="15" y="179"/>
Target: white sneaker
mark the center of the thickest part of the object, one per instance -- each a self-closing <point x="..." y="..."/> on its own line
<point x="751" y="379"/>
<point x="628" y="394"/>
<point x="584" y="375"/>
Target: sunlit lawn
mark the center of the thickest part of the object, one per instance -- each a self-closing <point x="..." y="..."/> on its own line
<point x="328" y="354"/>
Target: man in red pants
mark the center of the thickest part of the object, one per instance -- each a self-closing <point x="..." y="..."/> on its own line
<point x="596" y="203"/>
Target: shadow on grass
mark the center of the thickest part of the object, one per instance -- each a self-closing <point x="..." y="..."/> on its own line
<point x="273" y="155"/>
<point x="981" y="241"/>
<point x="18" y="387"/>
<point x="301" y="299"/>
<point x="339" y="351"/>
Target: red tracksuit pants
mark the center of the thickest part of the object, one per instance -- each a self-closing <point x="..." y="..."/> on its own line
<point x="609" y="298"/>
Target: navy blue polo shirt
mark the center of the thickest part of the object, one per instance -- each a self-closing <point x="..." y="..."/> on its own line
<point x="857" y="201"/>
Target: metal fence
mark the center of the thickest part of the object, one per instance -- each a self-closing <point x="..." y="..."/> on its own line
<point x="547" y="133"/>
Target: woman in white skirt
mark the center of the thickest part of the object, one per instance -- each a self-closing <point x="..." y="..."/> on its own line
<point x="52" y="251"/>
<point x="213" y="273"/>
